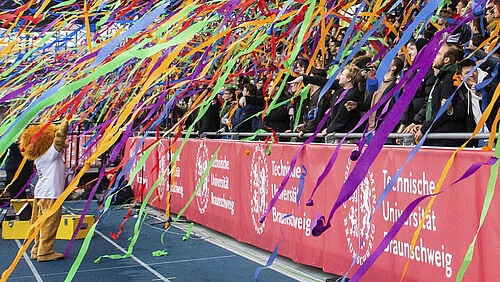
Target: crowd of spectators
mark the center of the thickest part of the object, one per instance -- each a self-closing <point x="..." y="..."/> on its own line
<point x="239" y="107"/>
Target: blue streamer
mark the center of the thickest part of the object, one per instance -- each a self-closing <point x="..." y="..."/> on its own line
<point x="301" y="184"/>
<point x="394" y="179"/>
<point x="270" y="260"/>
<point x="142" y="23"/>
<point x="358" y="46"/>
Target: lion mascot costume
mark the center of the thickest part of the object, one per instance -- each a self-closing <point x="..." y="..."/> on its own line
<point x="45" y="147"/>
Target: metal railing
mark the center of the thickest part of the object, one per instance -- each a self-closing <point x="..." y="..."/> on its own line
<point x="408" y="138"/>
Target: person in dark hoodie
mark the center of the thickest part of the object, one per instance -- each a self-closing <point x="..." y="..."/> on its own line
<point x="210" y="121"/>
<point x="278" y="118"/>
<point x="249" y="104"/>
<point x="453" y="120"/>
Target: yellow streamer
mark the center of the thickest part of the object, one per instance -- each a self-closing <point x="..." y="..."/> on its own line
<point x="447" y="167"/>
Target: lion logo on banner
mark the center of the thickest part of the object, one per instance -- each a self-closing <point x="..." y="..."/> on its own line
<point x="202" y="159"/>
<point x="357" y="224"/>
<point x="258" y="187"/>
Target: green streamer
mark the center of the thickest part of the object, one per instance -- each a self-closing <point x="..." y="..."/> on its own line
<point x="268" y="152"/>
<point x="141" y="163"/>
<point x="486" y="205"/>
<point x="303" y="29"/>
<point x="202" y="179"/>
<point x="280" y="92"/>
<point x="347" y="49"/>
<point x="63" y="4"/>
<point x="205" y="174"/>
<point x="67" y="90"/>
<point x="303" y="96"/>
<point x="223" y="106"/>
<point x="90" y="234"/>
<point x="81" y="253"/>
<point x="259" y="131"/>
<point x="133" y="240"/>
<point x="99" y="119"/>
<point x="188" y="233"/>
<point x="138" y="224"/>
<point x="160" y="253"/>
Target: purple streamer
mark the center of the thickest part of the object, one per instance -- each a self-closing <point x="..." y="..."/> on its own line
<point x="376" y="144"/>
<point x="328" y="167"/>
<point x="14" y="94"/>
<point x="49" y="26"/>
<point x="378" y="141"/>
<point x="127" y="134"/>
<point x="146" y="8"/>
<point x="292" y="164"/>
<point x="87" y="57"/>
<point x="404" y="216"/>
<point x="84" y="212"/>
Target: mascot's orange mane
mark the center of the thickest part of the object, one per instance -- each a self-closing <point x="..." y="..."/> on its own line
<point x="41" y="144"/>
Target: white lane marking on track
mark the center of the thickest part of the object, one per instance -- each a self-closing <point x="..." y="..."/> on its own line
<point x="163" y="278"/>
<point x="247" y="253"/>
<point x="131" y="266"/>
<point x="133" y="257"/>
<point x="30" y="264"/>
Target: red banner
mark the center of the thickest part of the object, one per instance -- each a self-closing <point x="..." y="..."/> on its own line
<point x="243" y="180"/>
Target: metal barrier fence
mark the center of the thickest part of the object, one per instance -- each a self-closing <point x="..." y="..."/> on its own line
<point x="407" y="138"/>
